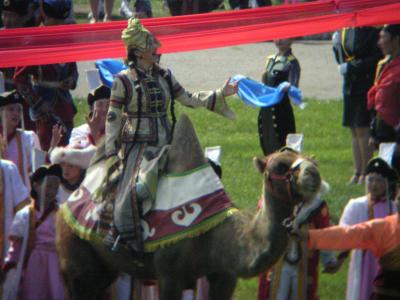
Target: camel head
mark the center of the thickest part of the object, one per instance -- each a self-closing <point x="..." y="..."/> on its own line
<point x="290" y="177"/>
<point x="185" y="152"/>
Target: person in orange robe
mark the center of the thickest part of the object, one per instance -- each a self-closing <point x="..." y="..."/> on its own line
<point x="381" y="236"/>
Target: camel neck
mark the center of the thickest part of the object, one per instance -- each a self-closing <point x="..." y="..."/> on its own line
<point x="269" y="231"/>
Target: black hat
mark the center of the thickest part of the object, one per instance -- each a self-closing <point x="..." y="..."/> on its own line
<point x="101" y="92"/>
<point x="58" y="9"/>
<point x="42" y="172"/>
<point x="378" y="165"/>
<point x="11" y="97"/>
<point x="18" y="6"/>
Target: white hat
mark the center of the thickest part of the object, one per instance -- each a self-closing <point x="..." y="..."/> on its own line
<point x="73" y="155"/>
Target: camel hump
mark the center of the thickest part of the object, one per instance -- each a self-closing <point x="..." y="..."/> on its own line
<point x="185" y="152"/>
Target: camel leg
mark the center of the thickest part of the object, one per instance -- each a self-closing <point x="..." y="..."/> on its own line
<point x="222" y="286"/>
<point x="85" y="276"/>
<point x="170" y="289"/>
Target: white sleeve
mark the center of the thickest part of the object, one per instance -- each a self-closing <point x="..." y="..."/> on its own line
<point x="20" y="222"/>
<point x="348" y="216"/>
<point x="18" y="188"/>
<point x="32" y="143"/>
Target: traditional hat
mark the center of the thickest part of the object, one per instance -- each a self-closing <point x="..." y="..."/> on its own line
<point x="44" y="171"/>
<point x="73" y="154"/>
<point x="378" y="165"/>
<point x="100" y="93"/>
<point x="18" y="6"/>
<point x="138" y="37"/>
<point x="12" y="97"/>
<point x="58" y="9"/>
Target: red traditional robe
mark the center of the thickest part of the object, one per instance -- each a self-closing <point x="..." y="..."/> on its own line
<point x="384" y="95"/>
<point x="307" y="284"/>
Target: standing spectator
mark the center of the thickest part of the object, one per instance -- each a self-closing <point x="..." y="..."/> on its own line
<point x="94" y="7"/>
<point x="357" y="53"/>
<point x="142" y="9"/>
<point x="15" y="14"/>
<point x="275" y="122"/>
<point x="20" y="13"/>
<point x="32" y="240"/>
<point x="243" y="4"/>
<point x="13" y="196"/>
<point x="47" y="88"/>
<point x="384" y="96"/>
<point x="18" y="142"/>
<point x="377" y="203"/>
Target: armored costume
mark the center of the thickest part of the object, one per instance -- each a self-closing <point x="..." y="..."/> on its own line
<point x="360" y="51"/>
<point x="275" y="122"/>
<point x="143" y="98"/>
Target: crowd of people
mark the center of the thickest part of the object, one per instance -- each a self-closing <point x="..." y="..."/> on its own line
<point x="131" y="119"/>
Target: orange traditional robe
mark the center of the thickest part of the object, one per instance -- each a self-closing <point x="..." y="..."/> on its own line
<point x="381" y="236"/>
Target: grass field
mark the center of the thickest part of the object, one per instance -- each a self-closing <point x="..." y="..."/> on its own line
<point x="324" y="137"/>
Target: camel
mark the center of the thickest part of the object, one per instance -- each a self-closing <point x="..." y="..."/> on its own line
<point x="241" y="246"/>
<point x="184" y="7"/>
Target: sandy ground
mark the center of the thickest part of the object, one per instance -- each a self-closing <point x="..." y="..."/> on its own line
<point x="208" y="69"/>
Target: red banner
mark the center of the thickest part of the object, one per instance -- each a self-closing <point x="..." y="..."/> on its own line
<point x="59" y="44"/>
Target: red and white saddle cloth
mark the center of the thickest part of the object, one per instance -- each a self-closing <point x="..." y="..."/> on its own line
<point x="187" y="205"/>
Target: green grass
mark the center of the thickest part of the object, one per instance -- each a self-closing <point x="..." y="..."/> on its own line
<point x="325" y="138"/>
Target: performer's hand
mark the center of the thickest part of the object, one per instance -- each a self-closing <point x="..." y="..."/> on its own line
<point x="342" y="68"/>
<point x="285" y="87"/>
<point x="56" y="136"/>
<point x="230" y="88"/>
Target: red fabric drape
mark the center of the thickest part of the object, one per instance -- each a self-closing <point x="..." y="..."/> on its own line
<point x="58" y="44"/>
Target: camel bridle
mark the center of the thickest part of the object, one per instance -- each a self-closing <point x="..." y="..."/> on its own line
<point x="289" y="178"/>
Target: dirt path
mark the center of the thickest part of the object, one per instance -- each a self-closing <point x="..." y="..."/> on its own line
<point x="208" y="69"/>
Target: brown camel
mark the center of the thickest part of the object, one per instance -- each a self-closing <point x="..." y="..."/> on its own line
<point x="241" y="246"/>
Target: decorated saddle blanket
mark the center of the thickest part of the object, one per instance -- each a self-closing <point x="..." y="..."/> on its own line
<point x="187" y="205"/>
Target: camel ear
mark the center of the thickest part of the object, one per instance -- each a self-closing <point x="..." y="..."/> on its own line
<point x="259" y="164"/>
